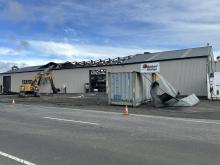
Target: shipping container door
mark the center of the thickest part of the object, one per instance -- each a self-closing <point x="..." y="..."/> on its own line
<point x="6" y="84"/>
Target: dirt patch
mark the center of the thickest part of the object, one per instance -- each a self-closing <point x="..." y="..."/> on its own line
<point x="59" y="99"/>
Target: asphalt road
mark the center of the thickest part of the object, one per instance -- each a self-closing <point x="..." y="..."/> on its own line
<point x="35" y="135"/>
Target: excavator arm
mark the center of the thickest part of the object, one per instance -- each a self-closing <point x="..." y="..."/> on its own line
<point x="46" y="74"/>
<point x="34" y="87"/>
<point x="54" y="89"/>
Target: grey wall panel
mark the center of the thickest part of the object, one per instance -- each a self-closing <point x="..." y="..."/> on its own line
<point x="73" y="79"/>
<point x="187" y="76"/>
<point x="1" y="79"/>
<point x="217" y="66"/>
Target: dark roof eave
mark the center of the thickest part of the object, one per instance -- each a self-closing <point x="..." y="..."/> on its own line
<point x="21" y="72"/>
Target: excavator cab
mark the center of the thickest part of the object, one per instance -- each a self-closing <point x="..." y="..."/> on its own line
<point x="27" y="88"/>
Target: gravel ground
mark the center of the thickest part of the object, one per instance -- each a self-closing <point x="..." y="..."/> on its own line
<point x="204" y="110"/>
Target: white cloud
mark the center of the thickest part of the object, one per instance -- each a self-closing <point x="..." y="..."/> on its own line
<point x="54" y="48"/>
<point x="82" y="52"/>
<point x="160" y="11"/>
<point x="5" y="65"/>
<point x="4" y="51"/>
<point x="42" y="52"/>
<point x="159" y="23"/>
<point x="170" y="18"/>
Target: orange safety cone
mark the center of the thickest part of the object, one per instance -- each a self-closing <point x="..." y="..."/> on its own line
<point x="125" y="110"/>
<point x="13" y="101"/>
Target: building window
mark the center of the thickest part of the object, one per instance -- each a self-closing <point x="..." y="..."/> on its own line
<point x="97" y="80"/>
<point x="26" y="81"/>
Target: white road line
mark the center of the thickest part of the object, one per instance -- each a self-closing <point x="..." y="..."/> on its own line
<point x="203" y="121"/>
<point x="74" y="121"/>
<point x="16" y="159"/>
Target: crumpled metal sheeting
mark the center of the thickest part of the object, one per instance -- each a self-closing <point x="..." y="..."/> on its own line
<point x="170" y="95"/>
<point x="188" y="101"/>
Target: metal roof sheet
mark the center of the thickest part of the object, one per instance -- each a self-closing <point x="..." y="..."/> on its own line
<point x="26" y="69"/>
<point x="171" y="55"/>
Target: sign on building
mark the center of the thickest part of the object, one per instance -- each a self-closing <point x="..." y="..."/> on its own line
<point x="150" y="68"/>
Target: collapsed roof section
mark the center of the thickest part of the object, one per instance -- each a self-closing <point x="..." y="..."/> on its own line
<point x="72" y="65"/>
<point x="91" y="63"/>
<point x="55" y="65"/>
<point x="138" y="58"/>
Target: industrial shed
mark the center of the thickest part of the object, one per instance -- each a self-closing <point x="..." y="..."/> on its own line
<point x="185" y="69"/>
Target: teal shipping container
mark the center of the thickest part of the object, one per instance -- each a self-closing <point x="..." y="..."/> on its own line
<point x="128" y="88"/>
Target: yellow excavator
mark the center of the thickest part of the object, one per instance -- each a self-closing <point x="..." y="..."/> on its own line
<point x="32" y="87"/>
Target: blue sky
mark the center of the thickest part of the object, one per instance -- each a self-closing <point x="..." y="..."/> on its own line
<point x="34" y="32"/>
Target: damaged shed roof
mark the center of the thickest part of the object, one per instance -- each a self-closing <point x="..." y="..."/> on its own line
<point x="138" y="58"/>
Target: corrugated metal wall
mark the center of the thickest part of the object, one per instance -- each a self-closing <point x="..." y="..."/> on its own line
<point x="217" y="66"/>
<point x="188" y="76"/>
<point x="73" y="79"/>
